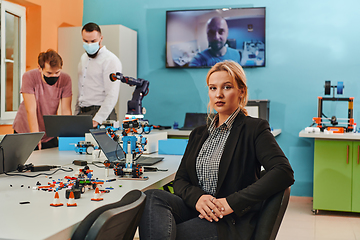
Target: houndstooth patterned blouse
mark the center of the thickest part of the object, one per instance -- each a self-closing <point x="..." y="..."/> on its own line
<point x="208" y="160"/>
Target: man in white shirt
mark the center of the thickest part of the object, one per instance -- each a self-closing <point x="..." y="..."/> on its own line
<point x="97" y="94"/>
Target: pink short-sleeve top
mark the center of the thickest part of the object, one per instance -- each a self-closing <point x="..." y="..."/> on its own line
<point x="47" y="99"/>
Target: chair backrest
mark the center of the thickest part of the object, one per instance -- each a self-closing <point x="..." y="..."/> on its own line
<point x="271" y="215"/>
<point x="113" y="221"/>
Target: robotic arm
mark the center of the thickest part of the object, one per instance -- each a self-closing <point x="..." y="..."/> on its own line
<point x="141" y="90"/>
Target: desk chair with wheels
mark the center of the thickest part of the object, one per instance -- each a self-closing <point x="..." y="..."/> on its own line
<point x="118" y="220"/>
<point x="271" y="215"/>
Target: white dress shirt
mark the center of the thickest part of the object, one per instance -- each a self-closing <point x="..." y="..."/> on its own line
<point x="95" y="87"/>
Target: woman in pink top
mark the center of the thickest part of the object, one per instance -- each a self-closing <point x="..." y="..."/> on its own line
<point x="46" y="91"/>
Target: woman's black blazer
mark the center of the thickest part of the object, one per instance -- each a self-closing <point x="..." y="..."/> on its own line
<point x="249" y="146"/>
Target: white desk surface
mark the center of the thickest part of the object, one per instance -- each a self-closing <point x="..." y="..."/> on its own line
<point x="186" y="133"/>
<point x="38" y="220"/>
<point x="334" y="136"/>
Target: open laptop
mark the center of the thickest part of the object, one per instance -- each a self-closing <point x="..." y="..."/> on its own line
<point x="17" y="149"/>
<point x="193" y="120"/>
<point x="67" y="125"/>
<point x="114" y="152"/>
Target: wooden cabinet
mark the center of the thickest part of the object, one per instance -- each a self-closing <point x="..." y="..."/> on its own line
<point x="336" y="175"/>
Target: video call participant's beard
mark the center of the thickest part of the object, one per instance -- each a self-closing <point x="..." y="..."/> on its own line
<point x="216" y="45"/>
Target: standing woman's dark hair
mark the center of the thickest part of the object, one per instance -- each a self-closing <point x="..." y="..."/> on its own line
<point x="237" y="74"/>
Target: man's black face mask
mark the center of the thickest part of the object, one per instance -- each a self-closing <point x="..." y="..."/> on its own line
<point x="50" y="80"/>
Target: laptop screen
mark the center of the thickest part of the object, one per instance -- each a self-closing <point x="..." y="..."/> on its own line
<point x="67" y="125"/>
<point x="112" y="150"/>
<point x="17" y="149"/>
<point x="193" y="120"/>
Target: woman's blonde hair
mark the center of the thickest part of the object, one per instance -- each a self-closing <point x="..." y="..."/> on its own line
<point x="237" y="73"/>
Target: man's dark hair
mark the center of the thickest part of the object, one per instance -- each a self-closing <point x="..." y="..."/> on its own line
<point x="89" y="27"/>
<point x="51" y="57"/>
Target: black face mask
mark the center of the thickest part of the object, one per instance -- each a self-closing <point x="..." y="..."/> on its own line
<point x="50" y="80"/>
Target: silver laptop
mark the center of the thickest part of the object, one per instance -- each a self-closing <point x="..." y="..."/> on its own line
<point x="15" y="149"/>
<point x="114" y="152"/>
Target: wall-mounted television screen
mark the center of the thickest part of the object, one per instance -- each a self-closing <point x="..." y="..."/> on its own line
<point x="201" y="38"/>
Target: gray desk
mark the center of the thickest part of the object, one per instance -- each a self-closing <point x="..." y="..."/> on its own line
<point x="38" y="220"/>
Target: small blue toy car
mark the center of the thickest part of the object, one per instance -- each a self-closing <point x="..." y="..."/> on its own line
<point x="84" y="147"/>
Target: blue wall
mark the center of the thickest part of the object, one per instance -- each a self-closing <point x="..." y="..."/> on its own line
<point x="307" y="43"/>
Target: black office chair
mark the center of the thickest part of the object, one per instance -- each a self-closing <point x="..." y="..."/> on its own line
<point x="113" y="221"/>
<point x="271" y="215"/>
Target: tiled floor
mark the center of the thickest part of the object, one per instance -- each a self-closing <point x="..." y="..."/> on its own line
<point x="300" y="223"/>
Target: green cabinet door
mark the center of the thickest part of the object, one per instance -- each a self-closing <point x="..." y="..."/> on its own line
<point x="356" y="178"/>
<point x="332" y="175"/>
